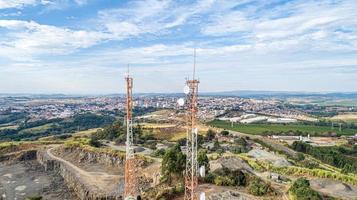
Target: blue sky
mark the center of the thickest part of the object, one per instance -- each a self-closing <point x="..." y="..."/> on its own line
<point x="84" y="46"/>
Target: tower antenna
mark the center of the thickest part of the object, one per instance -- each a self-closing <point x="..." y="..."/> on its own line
<point x="194" y="63"/>
<point x="130" y="185"/>
<point x="191" y="173"/>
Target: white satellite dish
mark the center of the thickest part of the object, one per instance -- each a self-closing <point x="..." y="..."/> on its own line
<point x="181" y="102"/>
<point x="186" y="89"/>
<point x="202" y="196"/>
<point x="203" y="171"/>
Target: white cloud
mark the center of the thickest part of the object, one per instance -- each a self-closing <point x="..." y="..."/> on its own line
<point x="229" y="23"/>
<point x="310" y="23"/>
<point x="150" y="16"/>
<point x="81" y="2"/>
<point x="245" y="43"/>
<point x="31" y="38"/>
<point x="16" y="3"/>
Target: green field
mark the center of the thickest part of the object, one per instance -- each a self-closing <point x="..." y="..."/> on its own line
<point x="338" y="103"/>
<point x="265" y="129"/>
<point x="37" y="129"/>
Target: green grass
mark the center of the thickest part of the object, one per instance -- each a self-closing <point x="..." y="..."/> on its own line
<point x="260" y="129"/>
<point x="37" y="129"/>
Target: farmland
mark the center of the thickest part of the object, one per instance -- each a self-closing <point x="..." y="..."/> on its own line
<point x="346" y="117"/>
<point x="283" y="129"/>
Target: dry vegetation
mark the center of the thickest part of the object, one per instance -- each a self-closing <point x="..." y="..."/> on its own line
<point x="347" y="117"/>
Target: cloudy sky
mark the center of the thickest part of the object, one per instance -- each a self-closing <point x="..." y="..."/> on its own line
<point x="84" y="46"/>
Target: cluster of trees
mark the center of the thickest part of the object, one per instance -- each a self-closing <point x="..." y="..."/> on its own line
<point x="138" y="111"/>
<point x="173" y="163"/>
<point x="227" y="178"/>
<point x="300" y="190"/>
<point x="335" y="156"/>
<point x="111" y="132"/>
<point x="117" y="132"/>
<point x="255" y="185"/>
<point x="85" y="121"/>
<point x="58" y="126"/>
<point x="7" y="117"/>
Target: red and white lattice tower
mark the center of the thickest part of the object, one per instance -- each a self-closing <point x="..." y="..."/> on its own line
<point x="130" y="185"/>
<point x="191" y="173"/>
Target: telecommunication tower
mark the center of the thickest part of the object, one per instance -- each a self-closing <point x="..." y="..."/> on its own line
<point x="191" y="173"/>
<point x="130" y="185"/>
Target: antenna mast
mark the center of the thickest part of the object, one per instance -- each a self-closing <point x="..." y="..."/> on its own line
<point x="130" y="187"/>
<point x="191" y="173"/>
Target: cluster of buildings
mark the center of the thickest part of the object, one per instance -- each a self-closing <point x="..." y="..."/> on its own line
<point x="254" y="118"/>
<point x="52" y="106"/>
<point x="38" y="108"/>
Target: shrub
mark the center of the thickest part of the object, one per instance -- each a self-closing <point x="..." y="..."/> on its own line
<point x="209" y="178"/>
<point x="300" y="190"/>
<point x="35" y="198"/>
<point x="94" y="142"/>
<point x="225" y="133"/>
<point x="203" y="160"/>
<point x="300" y="156"/>
<point x="223" y="181"/>
<point x="159" y="153"/>
<point x="258" y="187"/>
<point x="331" y="155"/>
<point x="239" y="178"/>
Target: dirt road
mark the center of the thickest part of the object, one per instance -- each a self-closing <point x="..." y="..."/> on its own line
<point x="105" y="182"/>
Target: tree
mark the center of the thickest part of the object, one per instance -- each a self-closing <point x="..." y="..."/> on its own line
<point x="216" y="145"/>
<point x="173" y="162"/>
<point x="241" y="141"/>
<point x="94" y="142"/>
<point x="354" y="147"/>
<point x="239" y="178"/>
<point x="203" y="160"/>
<point x="210" y="135"/>
<point x="225" y="133"/>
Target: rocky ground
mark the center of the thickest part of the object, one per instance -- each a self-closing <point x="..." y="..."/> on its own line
<point x="273" y="158"/>
<point x="232" y="163"/>
<point x="334" y="188"/>
<point x="214" y="192"/>
<point x="20" y="180"/>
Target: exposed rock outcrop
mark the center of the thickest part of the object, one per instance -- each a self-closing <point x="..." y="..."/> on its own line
<point x="231" y="163"/>
<point x="75" y="180"/>
<point x="85" y="156"/>
<point x="228" y="195"/>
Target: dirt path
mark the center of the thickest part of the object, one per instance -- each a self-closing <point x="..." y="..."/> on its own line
<point x="100" y="180"/>
<point x="268" y="141"/>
